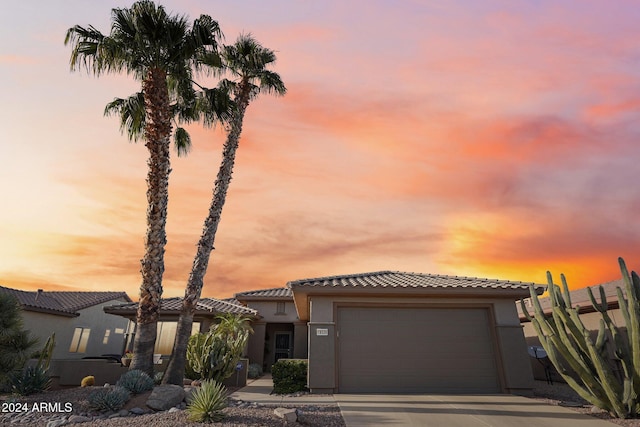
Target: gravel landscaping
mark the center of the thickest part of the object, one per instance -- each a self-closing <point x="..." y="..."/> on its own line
<point x="237" y="414"/>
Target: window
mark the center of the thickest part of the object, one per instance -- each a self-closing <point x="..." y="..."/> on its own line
<point x="281" y="307"/>
<point x="79" y="340"/>
<point x="107" y="333"/>
<point x="166" y="335"/>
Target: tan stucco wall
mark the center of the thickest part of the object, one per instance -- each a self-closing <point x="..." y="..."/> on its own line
<point x="267" y="310"/>
<point x="42" y="325"/>
<point x="271" y="322"/>
<point x="510" y="343"/>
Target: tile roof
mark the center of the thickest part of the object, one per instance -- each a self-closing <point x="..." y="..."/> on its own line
<point x="397" y="279"/>
<point x="580" y="297"/>
<point x="61" y="302"/>
<point x="273" y="293"/>
<point x="173" y="305"/>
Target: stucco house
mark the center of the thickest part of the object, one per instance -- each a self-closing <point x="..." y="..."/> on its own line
<point x="384" y="331"/>
<point x="77" y="318"/>
<point x="391" y="331"/>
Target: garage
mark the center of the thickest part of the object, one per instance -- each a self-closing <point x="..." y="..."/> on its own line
<point x="396" y="332"/>
<point x="416" y="350"/>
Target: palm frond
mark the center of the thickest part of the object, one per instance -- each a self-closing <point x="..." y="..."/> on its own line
<point x="215" y="104"/>
<point x="182" y="141"/>
<point x="132" y="115"/>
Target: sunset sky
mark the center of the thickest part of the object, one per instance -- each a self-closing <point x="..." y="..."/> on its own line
<point x="496" y="139"/>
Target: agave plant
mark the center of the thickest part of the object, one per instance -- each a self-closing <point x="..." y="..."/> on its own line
<point x="206" y="403"/>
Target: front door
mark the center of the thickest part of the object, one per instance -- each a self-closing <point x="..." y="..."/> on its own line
<point x="283" y="345"/>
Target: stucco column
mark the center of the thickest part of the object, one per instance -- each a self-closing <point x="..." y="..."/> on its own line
<point x="300" y="340"/>
<point x="322" y="364"/>
<point x="255" y="351"/>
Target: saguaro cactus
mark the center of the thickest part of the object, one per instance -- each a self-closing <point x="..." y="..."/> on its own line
<point x="569" y="345"/>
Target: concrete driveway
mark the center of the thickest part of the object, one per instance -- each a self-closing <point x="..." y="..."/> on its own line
<point x="457" y="411"/>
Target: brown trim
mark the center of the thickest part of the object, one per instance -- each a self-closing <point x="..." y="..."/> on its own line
<point x="488" y="293"/>
<point x="49" y="311"/>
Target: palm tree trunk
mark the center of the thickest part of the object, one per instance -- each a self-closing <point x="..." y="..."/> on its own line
<point x="174" y="373"/>
<point x="157" y="135"/>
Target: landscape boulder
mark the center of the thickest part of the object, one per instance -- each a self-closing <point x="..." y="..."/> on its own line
<point x="165" y="396"/>
<point x="289" y="415"/>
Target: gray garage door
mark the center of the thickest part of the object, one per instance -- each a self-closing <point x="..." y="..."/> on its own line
<point x="415" y="350"/>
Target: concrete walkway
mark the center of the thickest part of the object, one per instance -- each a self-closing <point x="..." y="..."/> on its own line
<point x="259" y="391"/>
<point x="428" y="410"/>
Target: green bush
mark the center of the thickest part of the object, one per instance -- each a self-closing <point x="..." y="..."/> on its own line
<point x="108" y="398"/>
<point x="136" y="381"/>
<point x="254" y="371"/>
<point x="289" y="375"/>
<point x="207" y="402"/>
<point x="15" y="342"/>
<point x="31" y="380"/>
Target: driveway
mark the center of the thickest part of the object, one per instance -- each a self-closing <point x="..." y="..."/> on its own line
<point x="457" y="411"/>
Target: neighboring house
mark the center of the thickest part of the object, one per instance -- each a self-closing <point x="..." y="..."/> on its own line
<point x="588" y="315"/>
<point x="77" y="318"/>
<point x="405" y="332"/>
<point x="205" y="314"/>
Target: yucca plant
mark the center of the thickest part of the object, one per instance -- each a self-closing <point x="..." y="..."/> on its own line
<point x="31" y="380"/>
<point x="108" y="398"/>
<point x="206" y="403"/>
<point x="136" y="381"/>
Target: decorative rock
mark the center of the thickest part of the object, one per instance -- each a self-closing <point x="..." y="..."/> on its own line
<point x="289" y="415"/>
<point x="172" y="410"/>
<point x="165" y="396"/>
<point x="186" y="381"/>
<point x="107" y="385"/>
<point x="196" y="383"/>
<point x="137" y="411"/>
<point x="188" y="392"/>
<point x="78" y="419"/>
<point x="57" y="422"/>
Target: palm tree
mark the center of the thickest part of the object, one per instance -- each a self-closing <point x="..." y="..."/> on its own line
<point x="247" y="61"/>
<point x="158" y="50"/>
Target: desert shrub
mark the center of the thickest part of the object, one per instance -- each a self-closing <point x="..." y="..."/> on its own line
<point x="254" y="371"/>
<point x="108" y="398"/>
<point x="289" y="375"/>
<point x="214" y="355"/>
<point x="136" y="381"/>
<point x="15" y="342"/>
<point x="33" y="379"/>
<point x="88" y="381"/>
<point x="207" y="402"/>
